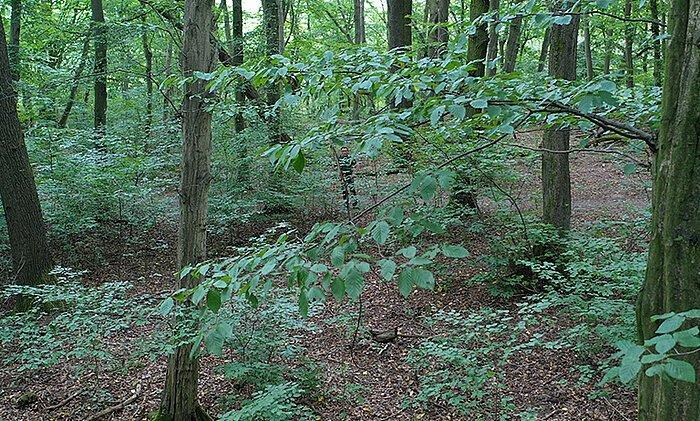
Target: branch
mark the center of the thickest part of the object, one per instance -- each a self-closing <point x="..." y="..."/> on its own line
<point x="117" y="407"/>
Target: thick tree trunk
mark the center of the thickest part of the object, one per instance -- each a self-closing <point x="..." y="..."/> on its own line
<point x="512" y="44"/>
<point x="587" y="48"/>
<point x="31" y="259"/>
<point x="672" y="279"/>
<point x="148" y="56"/>
<point x="359" y="21"/>
<point x="399" y="24"/>
<point x="99" y="37"/>
<point x="629" y="45"/>
<point x="556" y="181"/>
<point x="437" y="33"/>
<point x="654" y="6"/>
<point x="477" y="45"/>
<point x="63" y="121"/>
<point x="237" y="56"/>
<point x="492" y="47"/>
<point x="14" y="47"/>
<point x="544" y="50"/>
<point x="271" y="25"/>
<point x="180" y="394"/>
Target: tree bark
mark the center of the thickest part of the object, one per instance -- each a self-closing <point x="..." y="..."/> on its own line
<point x="169" y="90"/>
<point x="198" y="54"/>
<point x="227" y="26"/>
<point x="237" y="56"/>
<point x="545" y="49"/>
<point x="587" y="48"/>
<point x="492" y="46"/>
<point x="609" y="47"/>
<point x="31" y="259"/>
<point x="399" y="14"/>
<point x="658" y="64"/>
<point x="512" y="44"/>
<point x="359" y="21"/>
<point x="477" y="45"/>
<point x="672" y="280"/>
<point x="629" y="45"/>
<point x="271" y="25"/>
<point x="63" y="121"/>
<point x="99" y="37"/>
<point x="556" y="181"/>
<point x="437" y="33"/>
<point x="14" y="48"/>
<point x="148" y="57"/>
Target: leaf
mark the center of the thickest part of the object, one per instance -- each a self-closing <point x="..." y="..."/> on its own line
<point x="166" y="306"/>
<point x="652" y="358"/>
<point x="688" y="338"/>
<point x="319" y="268"/>
<point x="680" y="370"/>
<point x="338" y="289"/>
<point x="388" y="268"/>
<point x="214" y="343"/>
<point x="562" y="20"/>
<point x="665" y="344"/>
<point x="479" y="103"/>
<point x="428" y="188"/>
<point x="436" y="115"/>
<point x="406" y="282"/>
<point x="423" y="278"/>
<point x="199" y="293"/>
<point x="303" y="303"/>
<point x="299" y="162"/>
<point x="629" y="168"/>
<point x="409" y="252"/>
<point x="338" y="256"/>
<point x="458" y="111"/>
<point x="214" y="300"/>
<point x="457" y="252"/>
<point x="629" y="371"/>
<point x="380" y="233"/>
<point x="671" y="324"/>
<point x="354" y="283"/>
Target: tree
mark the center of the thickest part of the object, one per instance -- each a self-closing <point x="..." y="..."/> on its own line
<point x="198" y="55"/>
<point x="237" y="55"/>
<point x="99" y="37"/>
<point x="148" y="57"/>
<point x="654" y="8"/>
<point x="672" y="281"/>
<point x="629" y="45"/>
<point x="31" y="259"/>
<point x="272" y="45"/>
<point x="556" y="182"/>
<point x="544" y="50"/>
<point x="438" y="11"/>
<point x="513" y="44"/>
<point x="14" y="48"/>
<point x="359" y="21"/>
<point x="492" y="46"/>
<point x="477" y="45"/>
<point x="587" y="48"/>
<point x="399" y="24"/>
<point x="77" y="73"/>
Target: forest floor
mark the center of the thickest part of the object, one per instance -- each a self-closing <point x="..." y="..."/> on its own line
<point x="371" y="381"/>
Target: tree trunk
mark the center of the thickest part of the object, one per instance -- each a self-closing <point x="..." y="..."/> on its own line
<point x="437" y="33"/>
<point x="148" y="56"/>
<point x="399" y="24"/>
<point x="31" y="259"/>
<point x="609" y="47"/>
<point x="14" y="48"/>
<point x="556" y="181"/>
<point x="512" y="44"/>
<point x="227" y="26"/>
<point x="63" y="121"/>
<point x="544" y="50"/>
<point x="654" y="6"/>
<point x="672" y="279"/>
<point x="477" y="45"/>
<point x="237" y="56"/>
<point x="492" y="46"/>
<point x="169" y="90"/>
<point x="99" y="37"/>
<point x="587" y="48"/>
<point x="629" y="45"/>
<point x="271" y="26"/>
<point x="359" y="21"/>
<point x="198" y="54"/>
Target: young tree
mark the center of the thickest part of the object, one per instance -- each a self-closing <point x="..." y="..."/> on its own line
<point x="587" y="47"/>
<point x="237" y="55"/>
<point x="654" y="8"/>
<point x="198" y="54"/>
<point x="512" y="44"/>
<point x="477" y="45"/>
<point x="77" y="73"/>
<point x="492" y="46"/>
<point x="99" y="37"/>
<point x="629" y="45"/>
<point x="672" y="279"/>
<point x="31" y="259"/>
<point x="359" y="21"/>
<point x="148" y="57"/>
<point x="556" y="182"/>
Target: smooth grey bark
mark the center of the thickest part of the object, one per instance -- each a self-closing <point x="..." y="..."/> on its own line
<point x="492" y="46"/>
<point x="512" y="44"/>
<point x="31" y="258"/>
<point x="77" y="73"/>
<point x="198" y="54"/>
<point x="544" y="50"/>
<point x="99" y="37"/>
<point x="556" y="179"/>
<point x="359" y="21"/>
<point x="587" y="48"/>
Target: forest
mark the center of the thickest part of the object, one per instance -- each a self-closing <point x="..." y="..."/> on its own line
<point x="350" y="210"/>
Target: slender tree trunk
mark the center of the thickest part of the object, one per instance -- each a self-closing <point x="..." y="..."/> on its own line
<point x="492" y="46"/>
<point x="99" y="37"/>
<point x="31" y="259"/>
<point x="63" y="121"/>
<point x="672" y="281"/>
<point x="477" y="45"/>
<point x="168" y="68"/>
<point x="587" y="48"/>
<point x="227" y="26"/>
<point x="512" y="44"/>
<point x="545" y="49"/>
<point x="148" y="56"/>
<point x="282" y="11"/>
<point x="629" y="45"/>
<point x="14" y="48"/>
<point x="609" y="47"/>
<point x="658" y="64"/>
<point x="359" y="21"/>
<point x="556" y="180"/>
<point x="237" y="56"/>
<point x="271" y="26"/>
<point x="437" y="33"/>
<point x="180" y="395"/>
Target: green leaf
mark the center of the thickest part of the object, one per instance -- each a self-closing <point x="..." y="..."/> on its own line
<point x="406" y="282"/>
<point x="629" y="371"/>
<point x="319" y="268"/>
<point x="688" y="338"/>
<point x="654" y="370"/>
<point x="458" y="111"/>
<point x="299" y="162"/>
<point x="214" y="300"/>
<point x="680" y="370"/>
<point x="380" y="233"/>
<point x="166" y="306"/>
<point x="199" y="293"/>
<point x="456" y="252"/>
<point x="562" y="20"/>
<point x="338" y="256"/>
<point x="436" y="114"/>
<point x="652" y="358"/>
<point x="409" y="252"/>
<point x="629" y="168"/>
<point x="214" y="343"/>
<point x="423" y="278"/>
<point x="388" y="268"/>
<point x="428" y="188"/>
<point x="665" y="344"/>
<point x="479" y="103"/>
<point x="671" y="324"/>
<point x="354" y="283"/>
<point x="338" y="289"/>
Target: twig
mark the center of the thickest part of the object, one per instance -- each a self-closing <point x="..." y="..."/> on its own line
<point x="65" y="401"/>
<point x="117" y="407"/>
<point x="584" y="150"/>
